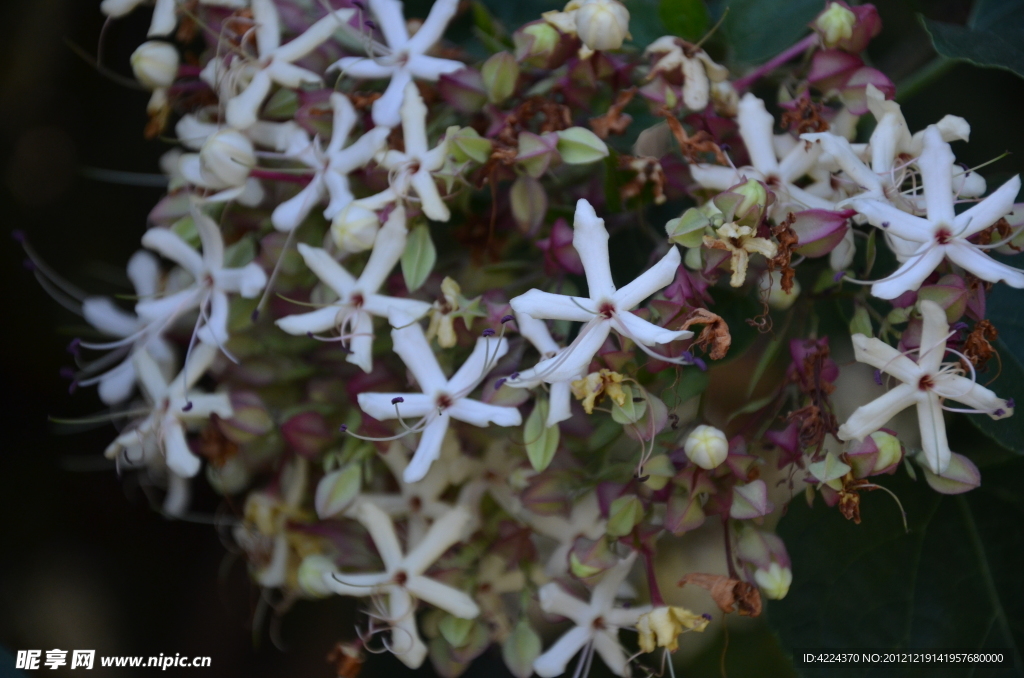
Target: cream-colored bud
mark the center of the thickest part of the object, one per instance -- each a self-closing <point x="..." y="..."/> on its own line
<point x="227" y="157"/>
<point x="706" y="446"/>
<point x="774" y="581"/>
<point x="835" y="24"/>
<point x="354" y="229"/>
<point x="771" y="291"/>
<point x="602" y="24"/>
<point x="311" y="575"/>
<point x="155" y="64"/>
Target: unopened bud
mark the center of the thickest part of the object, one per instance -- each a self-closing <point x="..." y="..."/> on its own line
<point x="337" y="490"/>
<point x="500" y="74"/>
<point x="835" y="24"/>
<point x="706" y="446"/>
<point x="776" y="297"/>
<point x="755" y="195"/>
<point x="579" y="146"/>
<point x="624" y="514"/>
<point x="227" y="157"/>
<point x="536" y="42"/>
<point x="774" y="581"/>
<point x="311" y="575"/>
<point x="354" y="229"/>
<point x="890" y="451"/>
<point x="602" y="24"/>
<point x="155" y="64"/>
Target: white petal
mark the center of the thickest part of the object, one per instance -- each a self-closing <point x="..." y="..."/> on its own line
<point x="444" y="533"/>
<point x="202" y="405"/>
<point x="968" y="256"/>
<point x="553" y="662"/>
<point x="430" y="199"/>
<point x="882" y="356"/>
<point x="934" y="331"/>
<point x="431" y="68"/>
<point x="320" y="320"/>
<point x="648" y="334"/>
<point x="935" y="164"/>
<point x="652" y="281"/>
<point x="972" y="394"/>
<point x="362" y="68"/>
<point x="292" y="212"/>
<point x="556" y="600"/>
<point x="888" y="218"/>
<point x="607" y="645"/>
<point x="590" y="238"/>
<point x="756" y="126"/>
<point x="106" y="316"/>
<point x="242" y="110"/>
<point x="215" y="329"/>
<point x="144" y="272"/>
<point x="328" y="270"/>
<point x="485" y="354"/>
<point x="414" y="121"/>
<point x="391" y="22"/>
<point x="481" y="414"/>
<point x="287" y="75"/>
<point x="150" y="376"/>
<point x="715" y="177"/>
<point x="910" y="274"/>
<point x="387" y="110"/>
<point x="268" y="26"/>
<point x="799" y="161"/>
<point x="988" y="211"/>
<point x="433" y="26"/>
<point x="428" y="450"/>
<point x="247" y="281"/>
<point x="536" y="332"/>
<point x="169" y="245"/>
<point x="603" y="597"/>
<point x="559" y="403"/>
<point x="577" y="356"/>
<point x="384" y="307"/>
<point x="406" y="643"/>
<point x="411" y="346"/>
<point x="840" y="150"/>
<point x="382" y="531"/>
<point x="117" y="384"/>
<point x="164" y="19"/>
<point x="179" y="457"/>
<point x="933" y="434"/>
<point x="381" y="406"/>
<point x="869" y="418"/>
<point x="360" y="343"/>
<point x="314" y="36"/>
<point x="443" y="597"/>
<point x="357" y="585"/>
<point x="548" y="306"/>
<point x="164" y="309"/>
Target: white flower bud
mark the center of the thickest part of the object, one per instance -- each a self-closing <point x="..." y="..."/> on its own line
<point x="774" y="581"/>
<point x="355" y="228"/>
<point x="311" y="575"/>
<point x="706" y="446"/>
<point x="602" y="24"/>
<point x="155" y="64"/>
<point x="226" y="158"/>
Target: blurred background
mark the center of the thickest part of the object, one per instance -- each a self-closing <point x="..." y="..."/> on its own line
<point x="85" y="563"/>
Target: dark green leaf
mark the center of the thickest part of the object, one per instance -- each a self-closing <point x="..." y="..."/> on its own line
<point x="688" y="19"/>
<point x="760" y="29"/>
<point x="1006" y="312"/>
<point x="418" y="258"/>
<point x="992" y="37"/>
<point x="952" y="582"/>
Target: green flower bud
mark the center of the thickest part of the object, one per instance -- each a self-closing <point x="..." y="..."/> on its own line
<point x="623" y="515"/>
<point x="579" y="146"/>
<point x="500" y="74"/>
<point x="466" y="144"/>
<point x="337" y="490"/>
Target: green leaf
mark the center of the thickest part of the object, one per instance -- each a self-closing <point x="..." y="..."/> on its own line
<point x="952" y="581"/>
<point x="1006" y="312"/>
<point x="689" y="19"/>
<point x="521" y="647"/>
<point x="418" y="258"/>
<point x="760" y="29"/>
<point x="992" y="38"/>
<point x="541" y="441"/>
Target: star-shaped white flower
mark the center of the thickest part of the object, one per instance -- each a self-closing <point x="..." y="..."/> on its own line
<point x="412" y="169"/>
<point x="116" y="384"/>
<point x="584" y="521"/>
<point x="173" y="407"/>
<point x="274" y="62"/>
<point x="926" y="384"/>
<point x="442" y="399"/>
<point x="560" y="397"/>
<point x="213" y="281"/>
<point x="332" y="166"/>
<point x="606" y="308"/>
<point x="779" y="174"/>
<point x="358" y="301"/>
<point x="597" y="623"/>
<point x="403" y="579"/>
<point x="403" y="58"/>
<point x="164" y="16"/>
<point x="943" y="233"/>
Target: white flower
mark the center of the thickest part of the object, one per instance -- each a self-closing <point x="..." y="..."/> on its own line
<point x="155" y="64"/>
<point x="274" y="63"/>
<point x="164" y="19"/>
<point x="412" y="169"/>
<point x="332" y="166"/>
<point x="602" y="24"/>
<point x="442" y="399"/>
<point x="358" y="300"/>
<point x="943" y="233"/>
<point x="605" y="309"/>
<point x="926" y="384"/>
<point x="403" y="580"/>
<point x="698" y="69"/>
<point x="597" y="623"/>
<point x="213" y="281"/>
<point x="584" y="521"/>
<point x="173" y="407"/>
<point x="706" y="446"/>
<point x="403" y="58"/>
<point x="779" y="174"/>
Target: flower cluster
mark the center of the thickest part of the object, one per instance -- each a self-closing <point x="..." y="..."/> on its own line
<point x="393" y="283"/>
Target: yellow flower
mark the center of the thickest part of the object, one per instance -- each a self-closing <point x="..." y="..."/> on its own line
<point x="661" y="627"/>
<point x="594" y="385"/>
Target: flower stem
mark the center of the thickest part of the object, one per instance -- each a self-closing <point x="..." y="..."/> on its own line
<point x="652" y="580"/>
<point x="756" y="74"/>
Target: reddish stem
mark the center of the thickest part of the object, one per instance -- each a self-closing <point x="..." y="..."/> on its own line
<point x="652" y="580"/>
<point x="281" y="176"/>
<point x="756" y="74"/>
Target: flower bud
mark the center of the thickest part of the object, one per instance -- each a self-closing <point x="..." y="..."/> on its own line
<point x="750" y="500"/>
<point x="841" y="256"/>
<point x="602" y="24"/>
<point x="624" y="514"/>
<point x="774" y="581"/>
<point x="960" y="476"/>
<point x="155" y="64"/>
<point x="684" y="514"/>
<point x="500" y="73"/>
<point x="771" y="287"/>
<point x="589" y="558"/>
<point x="689" y="229"/>
<point x="706" y="446"/>
<point x="536" y="152"/>
<point x="536" y="43"/>
<point x="466" y="144"/>
<point x="336" y="490"/>
<point x="835" y="24"/>
<point x="354" y="228"/>
<point x="226" y="158"/>
<point x="529" y="203"/>
<point x="464" y="90"/>
<point x="311" y="575"/>
<point x="579" y="146"/>
<point x="520" y="649"/>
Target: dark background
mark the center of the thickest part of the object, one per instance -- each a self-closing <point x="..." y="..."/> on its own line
<point x="85" y="563"/>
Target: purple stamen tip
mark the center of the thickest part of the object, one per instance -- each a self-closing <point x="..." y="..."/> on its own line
<point x="188" y="407"/>
<point x="725" y="147"/>
<point x="878" y="377"/>
<point x="701" y="365"/>
<point x="498" y="384"/>
<point x="18" y="235"/>
<point x="72" y="388"/>
<point x="255" y="315"/>
<point x="343" y="428"/>
<point x="67" y="373"/>
<point x="514" y="375"/>
<point x="959" y="326"/>
<point x="73" y="346"/>
<point x="838" y="276"/>
<point x="1000" y="412"/>
<point x="885" y="224"/>
<point x="399" y="399"/>
<point x="372" y="25"/>
<point x="488" y="332"/>
<point x="707" y="616"/>
<point x="506" y="319"/>
<point x="309" y="334"/>
<point x="1010" y="403"/>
